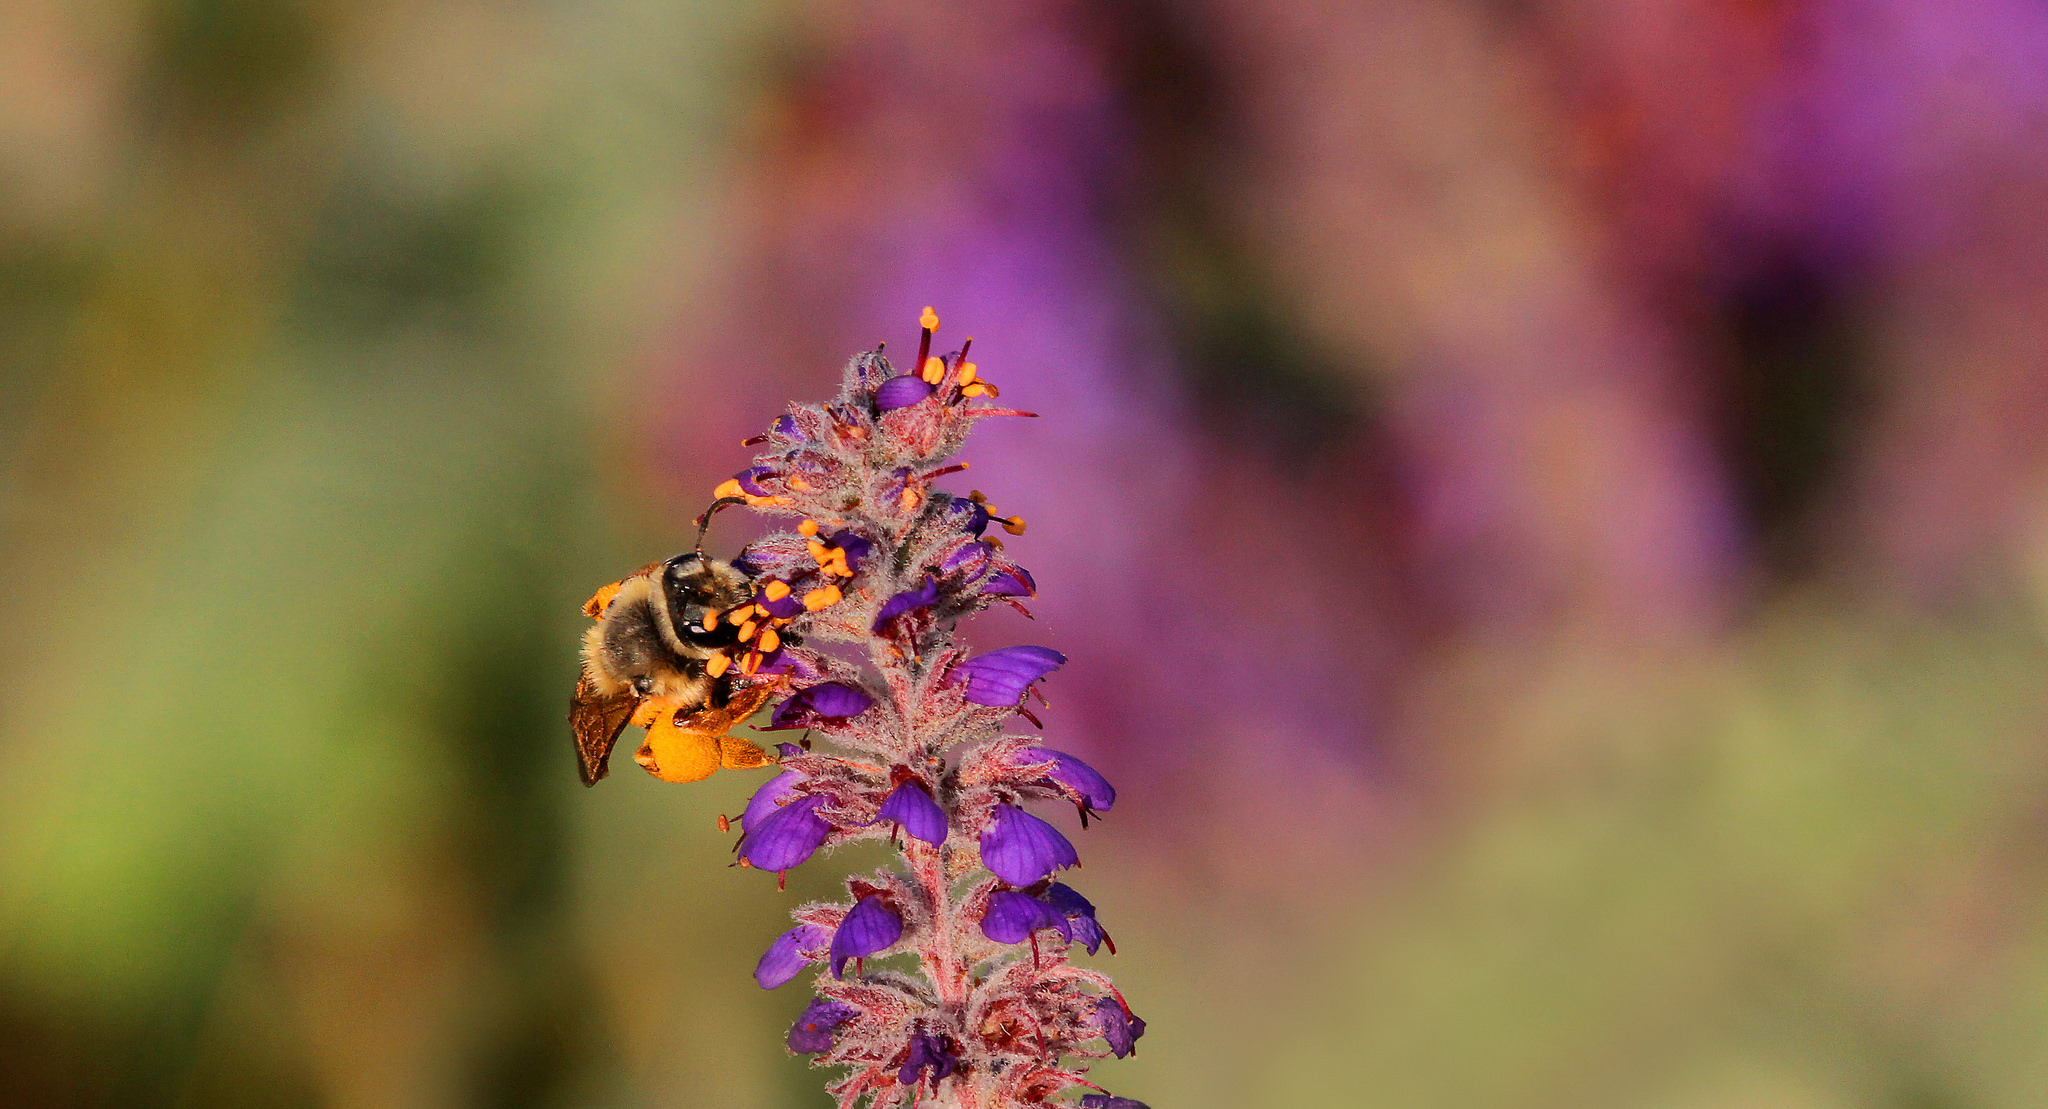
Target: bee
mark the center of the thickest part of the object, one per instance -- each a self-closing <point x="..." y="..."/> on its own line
<point x="657" y="657"/>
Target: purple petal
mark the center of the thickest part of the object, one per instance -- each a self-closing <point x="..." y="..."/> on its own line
<point x="785" y="958"/>
<point x="1012" y="917"/>
<point x="1079" y="913"/>
<point x="999" y="678"/>
<point x="924" y="596"/>
<point x="1119" y="1026"/>
<point x="854" y="544"/>
<point x="870" y="927"/>
<point x="812" y="1032"/>
<point x="967" y="553"/>
<point x="771" y="796"/>
<point x="1021" y="849"/>
<point x="926" y="1051"/>
<point x="785" y="609"/>
<point x="912" y="807"/>
<point x="972" y="517"/>
<point x="1015" y="582"/>
<point x="1090" y="786"/>
<point x="749" y="480"/>
<point x="785" y="424"/>
<point x="824" y="701"/>
<point x="786" y="836"/>
<point x="901" y="392"/>
<point x="1106" y="1101"/>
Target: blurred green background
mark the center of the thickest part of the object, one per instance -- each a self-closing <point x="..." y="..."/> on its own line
<point x="1546" y="502"/>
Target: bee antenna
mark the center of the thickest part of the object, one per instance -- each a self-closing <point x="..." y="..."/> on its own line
<point x="704" y="521"/>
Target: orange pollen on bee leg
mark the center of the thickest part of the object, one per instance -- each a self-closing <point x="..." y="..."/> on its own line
<point x="776" y="590"/>
<point x="807" y="528"/>
<point x="717" y="665"/>
<point x="770" y="641"/>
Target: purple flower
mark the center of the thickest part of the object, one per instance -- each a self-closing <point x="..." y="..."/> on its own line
<point x="785" y="958"/>
<point x="1094" y="790"/>
<point x="1021" y="849"/>
<point x="785" y="424"/>
<point x="1014" y="582"/>
<point x="1079" y="912"/>
<point x="814" y="703"/>
<point x="911" y="806"/>
<point x="924" y="596"/>
<point x="1012" y="916"/>
<point x="1119" y="1026"/>
<point x="999" y="678"/>
<point x="786" y="836"/>
<point x="926" y="1052"/>
<point x="749" y="480"/>
<point x="901" y="392"/>
<point x="787" y="607"/>
<point x="854" y="544"/>
<point x="812" y="1032"/>
<point x="971" y="515"/>
<point x="1106" y="1101"/>
<point x="964" y="554"/>
<point x="770" y="797"/>
<point x="870" y="927"/>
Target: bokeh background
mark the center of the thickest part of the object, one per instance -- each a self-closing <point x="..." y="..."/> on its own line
<point x="1547" y="501"/>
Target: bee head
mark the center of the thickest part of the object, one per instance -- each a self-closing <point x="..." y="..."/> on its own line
<point x="696" y="587"/>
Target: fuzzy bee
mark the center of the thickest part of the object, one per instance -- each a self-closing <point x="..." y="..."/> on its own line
<point x="659" y="656"/>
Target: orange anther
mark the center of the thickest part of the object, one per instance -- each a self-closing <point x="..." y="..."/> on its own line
<point x="928" y="319"/>
<point x="776" y="590"/>
<point x="819" y="551"/>
<point x="730" y="487"/>
<point x="752" y="662"/>
<point x="934" y="370"/>
<point x="717" y="665"/>
<point x="798" y="483"/>
<point x="747" y="630"/>
<point x="808" y="527"/>
<point x="770" y="641"/>
<point x="823" y="597"/>
<point x="977" y="389"/>
<point x="909" y="499"/>
<point x="1014" y="525"/>
<point x="710" y="619"/>
<point x="724" y="824"/>
<point x="966" y="373"/>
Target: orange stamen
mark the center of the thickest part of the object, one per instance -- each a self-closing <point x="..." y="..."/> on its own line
<point x="747" y="630"/>
<point x="824" y="597"/>
<point x="730" y="487"/>
<point x="716" y="665"/>
<point x="909" y="499"/>
<point x="978" y="389"/>
<point x="928" y="319"/>
<point x="711" y="620"/>
<point x="770" y="641"/>
<point x="1014" y="525"/>
<point x="966" y="374"/>
<point x="934" y="370"/>
<point x="808" y="527"/>
<point x="776" y="590"/>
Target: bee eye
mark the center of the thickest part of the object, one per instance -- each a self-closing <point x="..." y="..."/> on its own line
<point x="643" y="685"/>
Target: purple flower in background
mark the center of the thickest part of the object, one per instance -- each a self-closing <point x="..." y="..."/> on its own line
<point x="812" y="1032"/>
<point x="1021" y="849"/>
<point x="785" y="958"/>
<point x="927" y="1052"/>
<point x="825" y="701"/>
<point x="1094" y="790"/>
<point x="911" y="806"/>
<point x="787" y="836"/>
<point x="924" y="596"/>
<point x="872" y="926"/>
<point x="1120" y="1027"/>
<point x="901" y="392"/>
<point x="1000" y="677"/>
<point x="1012" y="916"/>
<point x="1106" y="1101"/>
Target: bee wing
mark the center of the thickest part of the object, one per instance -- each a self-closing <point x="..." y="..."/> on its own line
<point x="597" y="721"/>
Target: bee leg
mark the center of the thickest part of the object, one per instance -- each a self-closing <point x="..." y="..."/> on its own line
<point x="721" y="691"/>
